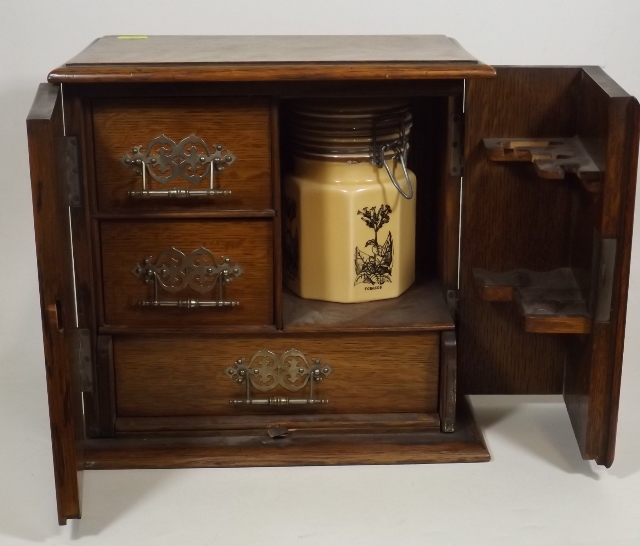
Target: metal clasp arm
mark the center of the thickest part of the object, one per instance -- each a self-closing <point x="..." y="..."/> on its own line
<point x="400" y="147"/>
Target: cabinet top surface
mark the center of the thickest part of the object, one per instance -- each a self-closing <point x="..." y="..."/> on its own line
<point x="225" y="58"/>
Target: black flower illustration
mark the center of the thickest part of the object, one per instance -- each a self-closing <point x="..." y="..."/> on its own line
<point x="375" y="268"/>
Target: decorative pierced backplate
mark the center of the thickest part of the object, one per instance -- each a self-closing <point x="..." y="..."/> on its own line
<point x="165" y="160"/>
<point x="174" y="271"/>
<point x="266" y="370"/>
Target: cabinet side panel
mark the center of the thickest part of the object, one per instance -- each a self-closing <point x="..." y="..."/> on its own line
<point x="512" y="219"/>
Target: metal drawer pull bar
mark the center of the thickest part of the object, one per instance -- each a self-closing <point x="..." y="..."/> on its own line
<point x="172" y="160"/>
<point x="266" y="370"/>
<point x="187" y="304"/>
<point x="174" y="271"/>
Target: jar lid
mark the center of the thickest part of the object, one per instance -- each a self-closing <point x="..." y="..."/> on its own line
<point x="350" y="128"/>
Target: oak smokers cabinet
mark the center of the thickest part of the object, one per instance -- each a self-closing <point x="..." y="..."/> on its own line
<point x="156" y="167"/>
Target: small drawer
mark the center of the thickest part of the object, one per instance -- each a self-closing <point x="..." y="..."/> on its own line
<point x="164" y="273"/>
<point x="198" y="376"/>
<point x="177" y="143"/>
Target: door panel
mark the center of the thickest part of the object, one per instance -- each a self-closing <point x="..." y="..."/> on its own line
<point x="514" y="219"/>
<point x="607" y="121"/>
<point x="53" y="246"/>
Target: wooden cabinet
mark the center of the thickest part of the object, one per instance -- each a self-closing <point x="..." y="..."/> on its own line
<point x="169" y="338"/>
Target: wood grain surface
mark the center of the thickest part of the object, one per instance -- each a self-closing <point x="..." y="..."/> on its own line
<point x="206" y="425"/>
<point x="558" y="226"/>
<point x="466" y="444"/>
<point x="98" y="422"/>
<point x="448" y="381"/>
<point x="448" y="194"/>
<point x="83" y="74"/>
<point x="552" y="158"/>
<point x="246" y="242"/>
<point x="510" y="220"/>
<point x="263" y="58"/>
<point x="241" y="125"/>
<point x="277" y="88"/>
<point x="549" y="302"/>
<point x="185" y="376"/>
<point x="629" y="171"/>
<point x="272" y="49"/>
<point x="422" y="307"/>
<point x="608" y="120"/>
<point x="55" y="276"/>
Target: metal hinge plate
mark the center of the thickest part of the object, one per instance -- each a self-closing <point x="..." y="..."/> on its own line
<point x="605" y="274"/>
<point x="71" y="171"/>
<point x="83" y="354"/>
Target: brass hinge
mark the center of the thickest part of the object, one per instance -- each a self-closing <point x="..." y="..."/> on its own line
<point x="452" y="301"/>
<point x="71" y="170"/>
<point x="454" y="144"/>
<point x="83" y="355"/>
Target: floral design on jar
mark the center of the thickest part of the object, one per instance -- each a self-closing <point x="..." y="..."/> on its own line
<point x="375" y="269"/>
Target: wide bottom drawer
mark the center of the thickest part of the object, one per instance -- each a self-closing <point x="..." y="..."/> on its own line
<point x="282" y="374"/>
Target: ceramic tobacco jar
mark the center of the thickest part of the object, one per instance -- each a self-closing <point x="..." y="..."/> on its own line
<point x="349" y="202"/>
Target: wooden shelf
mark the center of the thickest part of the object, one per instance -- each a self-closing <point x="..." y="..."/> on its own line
<point x="549" y="302"/>
<point x="551" y="157"/>
<point x="422" y="307"/>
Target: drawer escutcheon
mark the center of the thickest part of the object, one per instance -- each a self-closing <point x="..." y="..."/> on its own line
<point x="266" y="370"/>
<point x="190" y="159"/>
<point x="199" y="270"/>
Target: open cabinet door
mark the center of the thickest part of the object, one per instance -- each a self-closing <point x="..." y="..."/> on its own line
<point x="547" y="218"/>
<point x="49" y="151"/>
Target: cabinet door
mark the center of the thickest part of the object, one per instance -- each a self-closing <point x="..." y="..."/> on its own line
<point x="547" y="216"/>
<point x="47" y="156"/>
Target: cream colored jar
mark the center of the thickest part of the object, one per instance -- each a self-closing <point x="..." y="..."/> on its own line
<point x="349" y="235"/>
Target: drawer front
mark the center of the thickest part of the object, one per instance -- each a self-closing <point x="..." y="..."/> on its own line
<point x="179" y="283"/>
<point x="196" y="376"/>
<point x="240" y="126"/>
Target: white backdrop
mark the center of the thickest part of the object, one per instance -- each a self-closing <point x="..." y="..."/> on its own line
<point x="537" y="490"/>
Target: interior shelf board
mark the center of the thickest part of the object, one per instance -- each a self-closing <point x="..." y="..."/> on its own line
<point x="552" y="158"/>
<point x="549" y="302"/>
<point x="422" y="307"/>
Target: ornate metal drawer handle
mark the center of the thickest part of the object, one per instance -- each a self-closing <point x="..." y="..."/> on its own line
<point x="266" y="370"/>
<point x="164" y="160"/>
<point x="200" y="270"/>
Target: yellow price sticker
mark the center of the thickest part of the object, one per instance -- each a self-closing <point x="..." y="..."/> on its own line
<point x="132" y="37"/>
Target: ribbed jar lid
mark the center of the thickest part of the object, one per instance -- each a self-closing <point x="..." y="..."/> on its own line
<point x="346" y="129"/>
